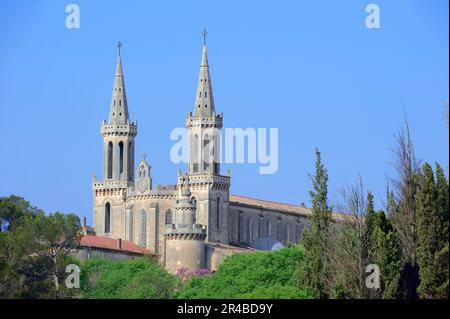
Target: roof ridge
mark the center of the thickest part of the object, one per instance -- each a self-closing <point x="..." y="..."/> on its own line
<point x="271" y="201"/>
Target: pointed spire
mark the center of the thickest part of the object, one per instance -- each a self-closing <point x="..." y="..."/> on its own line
<point x="119" y="107"/>
<point x="204" y="101"/>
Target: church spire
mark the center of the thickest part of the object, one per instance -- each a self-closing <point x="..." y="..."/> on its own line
<point x="204" y="102"/>
<point x="119" y="107"/>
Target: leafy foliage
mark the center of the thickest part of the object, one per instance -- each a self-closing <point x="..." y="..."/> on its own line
<point x="35" y="251"/>
<point x="12" y="208"/>
<point x="141" y="278"/>
<point x="250" y="275"/>
<point x="431" y="221"/>
<point x="385" y="253"/>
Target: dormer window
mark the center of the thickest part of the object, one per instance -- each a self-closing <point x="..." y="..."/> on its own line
<point x="142" y="171"/>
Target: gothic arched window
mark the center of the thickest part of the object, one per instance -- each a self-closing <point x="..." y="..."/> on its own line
<point x="259" y="227"/>
<point x="107" y="218"/>
<point x="218" y="213"/>
<point x="195" y="155"/>
<point x="269" y="228"/>
<point x="206" y="152"/>
<point x="141" y="171"/>
<point x="130" y="161"/>
<point x="249" y="230"/>
<point x="120" y="158"/>
<point x="143" y="237"/>
<point x="131" y="223"/>
<point x="240" y="222"/>
<point x="216" y="154"/>
<point x="288" y="233"/>
<point x="109" y="160"/>
<point x="169" y="218"/>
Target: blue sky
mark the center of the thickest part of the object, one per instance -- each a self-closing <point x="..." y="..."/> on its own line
<point x="309" y="68"/>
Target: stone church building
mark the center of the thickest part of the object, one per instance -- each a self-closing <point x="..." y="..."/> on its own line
<point x="195" y="222"/>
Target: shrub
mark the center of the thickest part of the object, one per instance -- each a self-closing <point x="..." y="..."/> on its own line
<point x="141" y="278"/>
<point x="250" y="275"/>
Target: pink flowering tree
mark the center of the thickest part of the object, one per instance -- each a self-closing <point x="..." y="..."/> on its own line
<point x="184" y="273"/>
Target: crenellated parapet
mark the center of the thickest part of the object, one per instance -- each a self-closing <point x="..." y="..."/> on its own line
<point x="108" y="130"/>
<point x="207" y="181"/>
<point x="214" y="121"/>
<point x="185" y="231"/>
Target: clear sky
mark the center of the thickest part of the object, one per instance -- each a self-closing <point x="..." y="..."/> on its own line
<point x="309" y="68"/>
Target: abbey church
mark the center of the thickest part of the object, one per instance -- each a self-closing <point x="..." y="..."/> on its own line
<point x="194" y="222"/>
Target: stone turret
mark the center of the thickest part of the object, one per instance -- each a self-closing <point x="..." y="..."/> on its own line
<point x="185" y="238"/>
<point x="118" y="133"/>
<point x="208" y="186"/>
<point x="118" y="162"/>
<point x="204" y="125"/>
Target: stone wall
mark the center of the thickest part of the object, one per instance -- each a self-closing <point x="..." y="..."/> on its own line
<point x="248" y="223"/>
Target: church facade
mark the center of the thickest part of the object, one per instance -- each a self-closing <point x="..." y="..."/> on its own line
<point x="193" y="223"/>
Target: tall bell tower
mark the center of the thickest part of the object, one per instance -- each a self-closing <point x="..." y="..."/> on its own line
<point x="118" y="162"/>
<point x="208" y="186"/>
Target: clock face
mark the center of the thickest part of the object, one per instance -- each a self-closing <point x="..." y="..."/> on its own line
<point x="142" y="185"/>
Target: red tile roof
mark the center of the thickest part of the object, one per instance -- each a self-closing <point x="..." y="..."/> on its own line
<point x="110" y="243"/>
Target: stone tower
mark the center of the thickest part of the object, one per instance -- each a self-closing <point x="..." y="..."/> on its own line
<point x="184" y="238"/>
<point x="118" y="162"/>
<point x="209" y="189"/>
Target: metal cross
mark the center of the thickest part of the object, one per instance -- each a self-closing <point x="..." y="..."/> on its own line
<point x="204" y="36"/>
<point x="119" y="45"/>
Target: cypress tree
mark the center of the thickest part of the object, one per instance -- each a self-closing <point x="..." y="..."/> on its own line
<point x="442" y="200"/>
<point x="312" y="273"/>
<point x="442" y="256"/>
<point x="428" y="232"/>
<point x="370" y="224"/>
<point x="386" y="255"/>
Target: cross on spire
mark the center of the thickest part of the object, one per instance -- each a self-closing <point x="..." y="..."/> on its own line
<point x="204" y="33"/>
<point x="119" y="45"/>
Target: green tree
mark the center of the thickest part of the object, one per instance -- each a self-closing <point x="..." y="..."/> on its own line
<point x="370" y="220"/>
<point x="13" y="207"/>
<point x="250" y="275"/>
<point x="141" y="278"/>
<point x="442" y="201"/>
<point x="428" y="228"/>
<point x="385" y="254"/>
<point x="312" y="272"/>
<point x="403" y="211"/>
<point x="442" y="257"/>
<point x="37" y="248"/>
<point x="10" y="283"/>
<point x="431" y="224"/>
